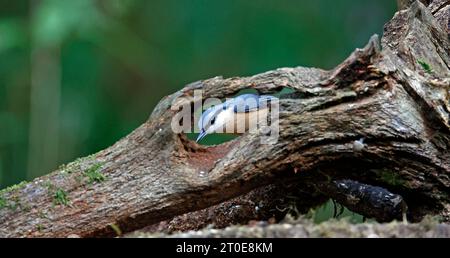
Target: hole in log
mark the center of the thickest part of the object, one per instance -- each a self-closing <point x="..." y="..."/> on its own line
<point x="215" y="146"/>
<point x="204" y="157"/>
<point x="213" y="139"/>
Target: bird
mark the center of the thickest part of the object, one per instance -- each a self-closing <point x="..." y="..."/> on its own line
<point x="236" y="115"/>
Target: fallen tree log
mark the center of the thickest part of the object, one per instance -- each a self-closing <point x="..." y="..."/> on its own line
<point x="396" y="97"/>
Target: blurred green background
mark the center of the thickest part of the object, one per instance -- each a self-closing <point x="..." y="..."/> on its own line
<point x="77" y="75"/>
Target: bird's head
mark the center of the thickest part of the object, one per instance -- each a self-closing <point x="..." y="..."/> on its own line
<point x="213" y="120"/>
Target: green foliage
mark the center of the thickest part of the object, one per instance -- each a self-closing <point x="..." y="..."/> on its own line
<point x="14" y="200"/>
<point x="94" y="174"/>
<point x="13" y="187"/>
<point x="60" y="197"/>
<point x="15" y="203"/>
<point x="3" y="202"/>
<point x="12" y="203"/>
<point x="425" y="66"/>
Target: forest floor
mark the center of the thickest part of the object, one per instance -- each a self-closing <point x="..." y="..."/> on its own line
<point x="302" y="228"/>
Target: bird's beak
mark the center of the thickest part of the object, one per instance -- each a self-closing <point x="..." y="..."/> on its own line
<point x="201" y="135"/>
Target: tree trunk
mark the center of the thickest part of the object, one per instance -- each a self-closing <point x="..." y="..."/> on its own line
<point x="397" y="99"/>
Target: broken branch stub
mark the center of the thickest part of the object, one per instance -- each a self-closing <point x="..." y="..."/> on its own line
<point x="395" y="98"/>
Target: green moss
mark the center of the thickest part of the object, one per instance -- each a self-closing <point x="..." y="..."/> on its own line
<point x="3" y="202"/>
<point x="60" y="197"/>
<point x="93" y="174"/>
<point x="68" y="169"/>
<point x="58" y="194"/>
<point x="75" y="166"/>
<point x="48" y="184"/>
<point x="12" y="205"/>
<point x="13" y="187"/>
<point x="13" y="201"/>
<point x="71" y="167"/>
<point x="425" y="66"/>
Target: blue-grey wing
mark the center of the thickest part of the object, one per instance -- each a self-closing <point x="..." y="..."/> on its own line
<point x="250" y="102"/>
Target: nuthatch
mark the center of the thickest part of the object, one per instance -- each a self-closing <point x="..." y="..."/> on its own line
<point x="236" y="115"/>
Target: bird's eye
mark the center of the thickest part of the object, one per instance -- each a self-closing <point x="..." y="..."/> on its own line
<point x="213" y="120"/>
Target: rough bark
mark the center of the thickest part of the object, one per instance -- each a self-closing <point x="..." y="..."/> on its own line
<point x="396" y="97"/>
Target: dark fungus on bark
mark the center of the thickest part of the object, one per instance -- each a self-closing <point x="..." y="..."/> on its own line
<point x="371" y="201"/>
